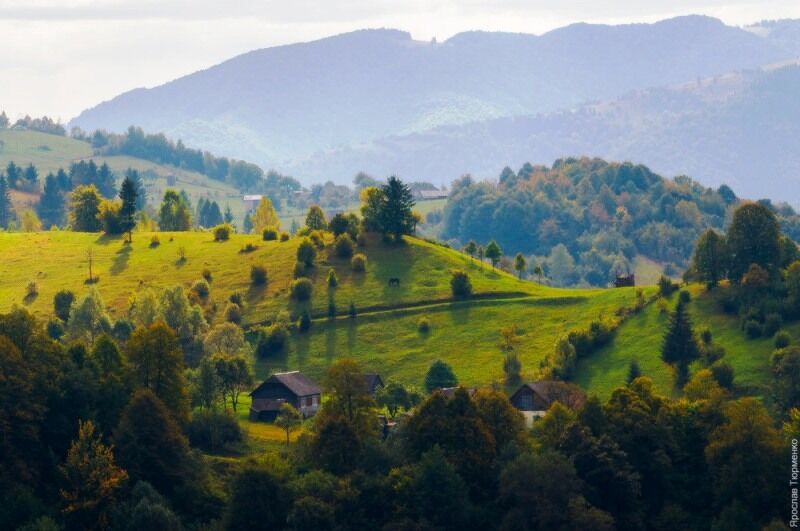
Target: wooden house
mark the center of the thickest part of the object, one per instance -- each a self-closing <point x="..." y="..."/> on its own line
<point x="284" y="387"/>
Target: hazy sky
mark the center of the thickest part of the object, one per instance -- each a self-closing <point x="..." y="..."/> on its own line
<point x="58" y="57"/>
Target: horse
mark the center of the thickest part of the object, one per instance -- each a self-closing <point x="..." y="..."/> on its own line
<point x="394" y="281"/>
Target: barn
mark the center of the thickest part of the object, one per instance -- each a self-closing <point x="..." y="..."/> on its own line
<point x="284" y="387"/>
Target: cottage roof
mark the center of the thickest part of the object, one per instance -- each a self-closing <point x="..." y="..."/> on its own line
<point x="372" y="381"/>
<point x="551" y="391"/>
<point x="295" y="381"/>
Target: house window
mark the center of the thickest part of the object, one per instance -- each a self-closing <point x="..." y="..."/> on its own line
<point x="309" y="401"/>
<point x="526" y="402"/>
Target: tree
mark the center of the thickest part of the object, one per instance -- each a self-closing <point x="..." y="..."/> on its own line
<point x="234" y="376"/>
<point x="520" y="264"/>
<point x="460" y="284"/>
<point x="709" y="260"/>
<point x="150" y="444"/>
<point x="129" y="195"/>
<point x="493" y="252"/>
<point x="372" y="200"/>
<point x="51" y="206"/>
<point x="258" y="500"/>
<point x="504" y="421"/>
<point x="265" y="216"/>
<point x="6" y="210"/>
<point x="288" y="419"/>
<point x="138" y="186"/>
<point x="174" y="213"/>
<point x="144" y="308"/>
<point x="679" y="347"/>
<point x="31" y="176"/>
<point x="84" y="209"/>
<point x="226" y="339"/>
<point x="306" y="252"/>
<point x="4" y="121"/>
<point x="30" y="221"/>
<point x="315" y="219"/>
<point x="785" y="365"/>
<point x="396" y="217"/>
<point x="440" y="375"/>
<point x="88" y="317"/>
<point x="62" y="304"/>
<point x="93" y="480"/>
<point x="156" y="362"/>
<point x="561" y="265"/>
<point x="344" y="224"/>
<point x="753" y="238"/>
<point x="228" y="216"/>
<point x="394" y="397"/>
<point x="348" y="398"/>
<point x="471" y="248"/>
<point x="109" y="216"/>
<point x="13" y="174"/>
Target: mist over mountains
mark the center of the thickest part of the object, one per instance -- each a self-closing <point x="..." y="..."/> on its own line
<point x="379" y="101"/>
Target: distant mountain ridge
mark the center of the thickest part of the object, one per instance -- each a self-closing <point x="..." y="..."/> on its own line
<point x="288" y="106"/>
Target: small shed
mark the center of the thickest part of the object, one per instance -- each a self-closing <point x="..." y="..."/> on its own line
<point x="284" y="387"/>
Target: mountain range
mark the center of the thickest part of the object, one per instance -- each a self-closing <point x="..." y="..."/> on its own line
<point x="382" y="102"/>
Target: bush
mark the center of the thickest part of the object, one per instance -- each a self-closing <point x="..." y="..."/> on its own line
<point x="359" y="263"/>
<point x="55" y="329"/>
<point x="782" y="340"/>
<point x="272" y="340"/>
<point x="666" y="287"/>
<point x="269" y="234"/>
<point x="772" y="323"/>
<point x="155" y="241"/>
<point x="306" y="252"/>
<point x="460" y="284"/>
<point x="222" y="232"/>
<point x="333" y="280"/>
<point x="201" y="288"/>
<point x="684" y="296"/>
<point x="723" y="374"/>
<point x="212" y="430"/>
<point x="299" y="270"/>
<point x="236" y="298"/>
<point x="424" y="325"/>
<point x="753" y="329"/>
<point x="284" y="236"/>
<point x="233" y="313"/>
<point x="317" y="239"/>
<point x="248" y="248"/>
<point x="207" y="275"/>
<point x="258" y="275"/>
<point x="62" y="304"/>
<point x="344" y="246"/>
<point x="304" y="322"/>
<point x="300" y="289"/>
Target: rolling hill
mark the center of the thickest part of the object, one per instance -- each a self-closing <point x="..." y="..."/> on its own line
<point x="281" y="106"/>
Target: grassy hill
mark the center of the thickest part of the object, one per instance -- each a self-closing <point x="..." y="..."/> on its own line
<point x="50" y="152"/>
<point x="384" y="336"/>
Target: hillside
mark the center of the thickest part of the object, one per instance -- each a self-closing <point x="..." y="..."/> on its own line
<point x="279" y="106"/>
<point x="739" y="129"/>
<point x="384" y="336"/>
<point x="50" y="152"/>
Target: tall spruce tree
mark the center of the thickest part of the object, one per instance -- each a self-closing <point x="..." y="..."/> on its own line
<point x="13" y="174"/>
<point x="6" y="210"/>
<point x="141" y="193"/>
<point x="51" y="206"/>
<point x="396" y="218"/>
<point x="680" y="348"/>
<point x="127" y="213"/>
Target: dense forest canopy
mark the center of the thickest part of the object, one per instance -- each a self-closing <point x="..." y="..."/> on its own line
<point x="593" y="216"/>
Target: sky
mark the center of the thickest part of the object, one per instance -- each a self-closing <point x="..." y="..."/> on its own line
<point x="58" y="57"/>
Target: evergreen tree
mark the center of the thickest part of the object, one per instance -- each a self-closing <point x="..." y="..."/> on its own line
<point x="51" y="206"/>
<point x="13" y="174"/>
<point x="520" y="264"/>
<point x="6" y="210"/>
<point x="315" y="219"/>
<point x="127" y="212"/>
<point x="174" y="213"/>
<point x="247" y="225"/>
<point x="228" y="214"/>
<point x="493" y="252"/>
<point x="31" y="176"/>
<point x="396" y="216"/>
<point x="105" y="181"/>
<point x="4" y="121"/>
<point x="63" y="180"/>
<point x="138" y="185"/>
<point x="680" y="348"/>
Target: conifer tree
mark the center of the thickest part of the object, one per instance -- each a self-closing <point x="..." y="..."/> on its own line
<point x="6" y="210"/>
<point x="396" y="216"/>
<point x="680" y="348"/>
<point x="51" y="205"/>
<point x="127" y="213"/>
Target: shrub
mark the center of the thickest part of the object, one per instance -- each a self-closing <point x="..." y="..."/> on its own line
<point x="55" y="329"/>
<point x="344" y="246"/>
<point x="62" y="304"/>
<point x="460" y="284"/>
<point x="207" y="275"/>
<point x="269" y="234"/>
<point x="753" y="329"/>
<point x="236" y="298"/>
<point x="272" y="339"/>
<point x="155" y="241"/>
<point x="304" y="322"/>
<point x="222" y="232"/>
<point x="424" y="325"/>
<point x="258" y="275"/>
<point x="772" y="323"/>
<point x="306" y="252"/>
<point x="211" y="430"/>
<point x="182" y="253"/>
<point x="317" y="239"/>
<point x="300" y="289"/>
<point x="248" y="248"/>
<point x="782" y="339"/>
<point x="201" y="288"/>
<point x="233" y="313"/>
<point x="723" y="374"/>
<point x="666" y="287"/>
<point x="299" y="270"/>
<point x="284" y="236"/>
<point x="333" y="280"/>
<point x="359" y="263"/>
<point x="684" y="296"/>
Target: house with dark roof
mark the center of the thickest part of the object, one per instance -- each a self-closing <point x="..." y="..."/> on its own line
<point x="284" y="387"/>
<point x="539" y="396"/>
<point x="373" y="382"/>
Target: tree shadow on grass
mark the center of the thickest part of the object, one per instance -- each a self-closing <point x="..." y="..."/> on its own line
<point x="120" y="262"/>
<point x="30" y="298"/>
